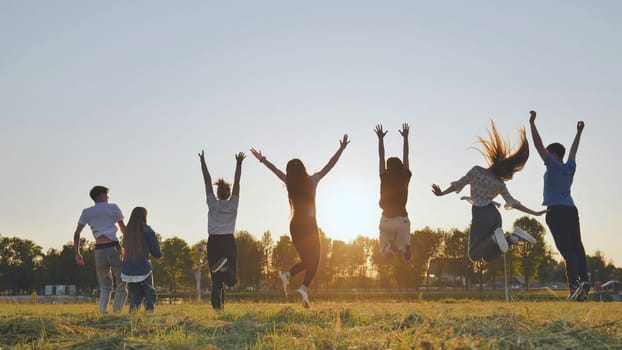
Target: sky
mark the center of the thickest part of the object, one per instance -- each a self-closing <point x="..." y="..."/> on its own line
<point x="125" y="94"/>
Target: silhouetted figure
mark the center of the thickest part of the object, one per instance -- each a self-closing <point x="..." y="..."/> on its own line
<point x="301" y="189"/>
<point x="139" y="242"/>
<point x="562" y="216"/>
<point x="222" y="213"/>
<point x="103" y="218"/>
<point x="395" y="175"/>
<point x="487" y="240"/>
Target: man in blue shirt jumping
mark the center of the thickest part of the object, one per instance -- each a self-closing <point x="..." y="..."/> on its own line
<point x="562" y="216"/>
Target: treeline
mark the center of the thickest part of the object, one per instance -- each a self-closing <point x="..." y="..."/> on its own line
<point x="439" y="260"/>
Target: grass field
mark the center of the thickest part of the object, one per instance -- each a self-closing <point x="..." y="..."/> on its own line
<point x="441" y="324"/>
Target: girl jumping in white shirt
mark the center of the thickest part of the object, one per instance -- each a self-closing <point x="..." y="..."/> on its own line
<point x="486" y="239"/>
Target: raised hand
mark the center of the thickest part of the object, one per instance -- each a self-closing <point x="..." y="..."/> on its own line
<point x="240" y="157"/>
<point x="532" y="116"/>
<point x="257" y="154"/>
<point x="378" y="130"/>
<point x="344" y="142"/>
<point x="437" y="190"/>
<point x="405" y="129"/>
<point x="202" y="155"/>
<point x="580" y="125"/>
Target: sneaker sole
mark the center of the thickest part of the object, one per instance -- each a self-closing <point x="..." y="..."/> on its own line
<point x="575" y="294"/>
<point x="501" y="242"/>
<point x="524" y="235"/>
<point x="219" y="266"/>
<point x="580" y="292"/>
<point x="305" y="300"/>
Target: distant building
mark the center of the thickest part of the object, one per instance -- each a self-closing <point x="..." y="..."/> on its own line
<point x="60" y="289"/>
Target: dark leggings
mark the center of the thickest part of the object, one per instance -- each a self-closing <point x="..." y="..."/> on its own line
<point x="563" y="221"/>
<point x="484" y="222"/>
<point x="306" y="240"/>
<point x="222" y="246"/>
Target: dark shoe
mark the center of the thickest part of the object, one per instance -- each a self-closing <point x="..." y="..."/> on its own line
<point x="585" y="289"/>
<point x="579" y="292"/>
<point x="219" y="265"/>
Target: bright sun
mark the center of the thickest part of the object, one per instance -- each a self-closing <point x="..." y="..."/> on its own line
<point x="346" y="211"/>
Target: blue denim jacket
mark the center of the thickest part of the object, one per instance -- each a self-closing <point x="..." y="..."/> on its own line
<point x="150" y="246"/>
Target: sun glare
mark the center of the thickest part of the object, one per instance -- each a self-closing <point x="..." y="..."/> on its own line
<point x="347" y="212"/>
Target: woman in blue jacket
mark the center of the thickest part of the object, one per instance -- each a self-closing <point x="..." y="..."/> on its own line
<point x="139" y="241"/>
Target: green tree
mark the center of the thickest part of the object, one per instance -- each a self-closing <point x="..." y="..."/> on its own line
<point x="530" y="255"/>
<point x="549" y="268"/>
<point x="200" y="265"/>
<point x="456" y="249"/>
<point x="267" y="271"/>
<point x="597" y="267"/>
<point x="176" y="263"/>
<point x="20" y="263"/>
<point x="324" y="270"/>
<point x="337" y="263"/>
<point x="249" y="273"/>
<point x="284" y="255"/>
<point x="426" y="243"/>
<point x="59" y="267"/>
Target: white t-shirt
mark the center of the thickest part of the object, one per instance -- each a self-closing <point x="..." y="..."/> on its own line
<point x="102" y="218"/>
<point x="221" y="215"/>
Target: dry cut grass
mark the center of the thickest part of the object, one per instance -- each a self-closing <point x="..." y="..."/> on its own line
<point x="447" y="324"/>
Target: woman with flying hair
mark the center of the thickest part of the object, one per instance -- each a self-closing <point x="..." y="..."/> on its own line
<point x="303" y="225"/>
<point x="486" y="239"/>
<point x="139" y="241"/>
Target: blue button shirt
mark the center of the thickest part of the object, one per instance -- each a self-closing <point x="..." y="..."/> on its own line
<point x="557" y="181"/>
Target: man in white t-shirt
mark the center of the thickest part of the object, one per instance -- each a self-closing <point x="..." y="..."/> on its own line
<point x="221" y="247"/>
<point x="103" y="218"/>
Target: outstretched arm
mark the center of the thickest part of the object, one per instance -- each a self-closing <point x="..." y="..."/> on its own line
<point x="575" y="143"/>
<point x="436" y="189"/>
<point x="269" y="165"/>
<point x="537" y="141"/>
<point x="404" y="132"/>
<point x="238" y="173"/>
<point x="524" y="209"/>
<point x="333" y="160"/>
<point x="207" y="179"/>
<point x="380" y="133"/>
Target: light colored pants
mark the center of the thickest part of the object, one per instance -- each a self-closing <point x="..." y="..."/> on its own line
<point x="395" y="229"/>
<point x="108" y="268"/>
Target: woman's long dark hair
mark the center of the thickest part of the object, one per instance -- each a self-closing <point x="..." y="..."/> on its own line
<point x="299" y="187"/>
<point x="133" y="236"/>
<point x="498" y="153"/>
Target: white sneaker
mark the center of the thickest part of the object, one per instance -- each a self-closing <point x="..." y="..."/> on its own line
<point x="499" y="237"/>
<point x="305" y="296"/>
<point x="284" y="281"/>
<point x="523" y="235"/>
<point x="219" y="265"/>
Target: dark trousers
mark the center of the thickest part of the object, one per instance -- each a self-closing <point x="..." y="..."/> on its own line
<point x="306" y="240"/>
<point x="140" y="291"/>
<point x="563" y="222"/>
<point x="484" y="222"/>
<point x="222" y="246"/>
